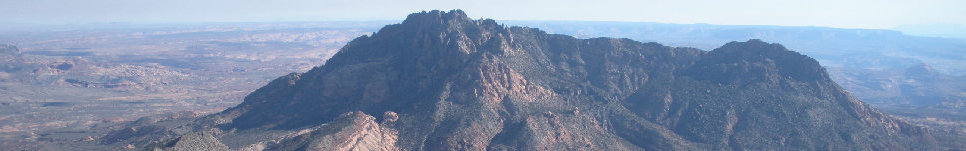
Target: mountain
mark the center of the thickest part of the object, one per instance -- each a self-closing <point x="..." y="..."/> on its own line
<point x="442" y="81"/>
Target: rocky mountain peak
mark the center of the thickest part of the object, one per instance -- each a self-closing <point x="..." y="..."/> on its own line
<point x="453" y="21"/>
<point x="437" y="17"/>
<point x="427" y="35"/>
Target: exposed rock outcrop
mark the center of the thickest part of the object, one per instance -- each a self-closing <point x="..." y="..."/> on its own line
<point x="351" y="131"/>
<point x="193" y="142"/>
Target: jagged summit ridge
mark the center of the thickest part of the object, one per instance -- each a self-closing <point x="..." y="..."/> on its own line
<point x="436" y="17"/>
<point x="427" y="34"/>
<point x="446" y="82"/>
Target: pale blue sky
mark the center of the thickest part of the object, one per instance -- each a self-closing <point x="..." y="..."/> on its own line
<point x="876" y="14"/>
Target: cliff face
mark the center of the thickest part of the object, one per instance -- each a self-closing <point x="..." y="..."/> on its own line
<point x="446" y="82"/>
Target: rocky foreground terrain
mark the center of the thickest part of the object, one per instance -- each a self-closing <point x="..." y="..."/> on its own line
<point x="441" y="81"/>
